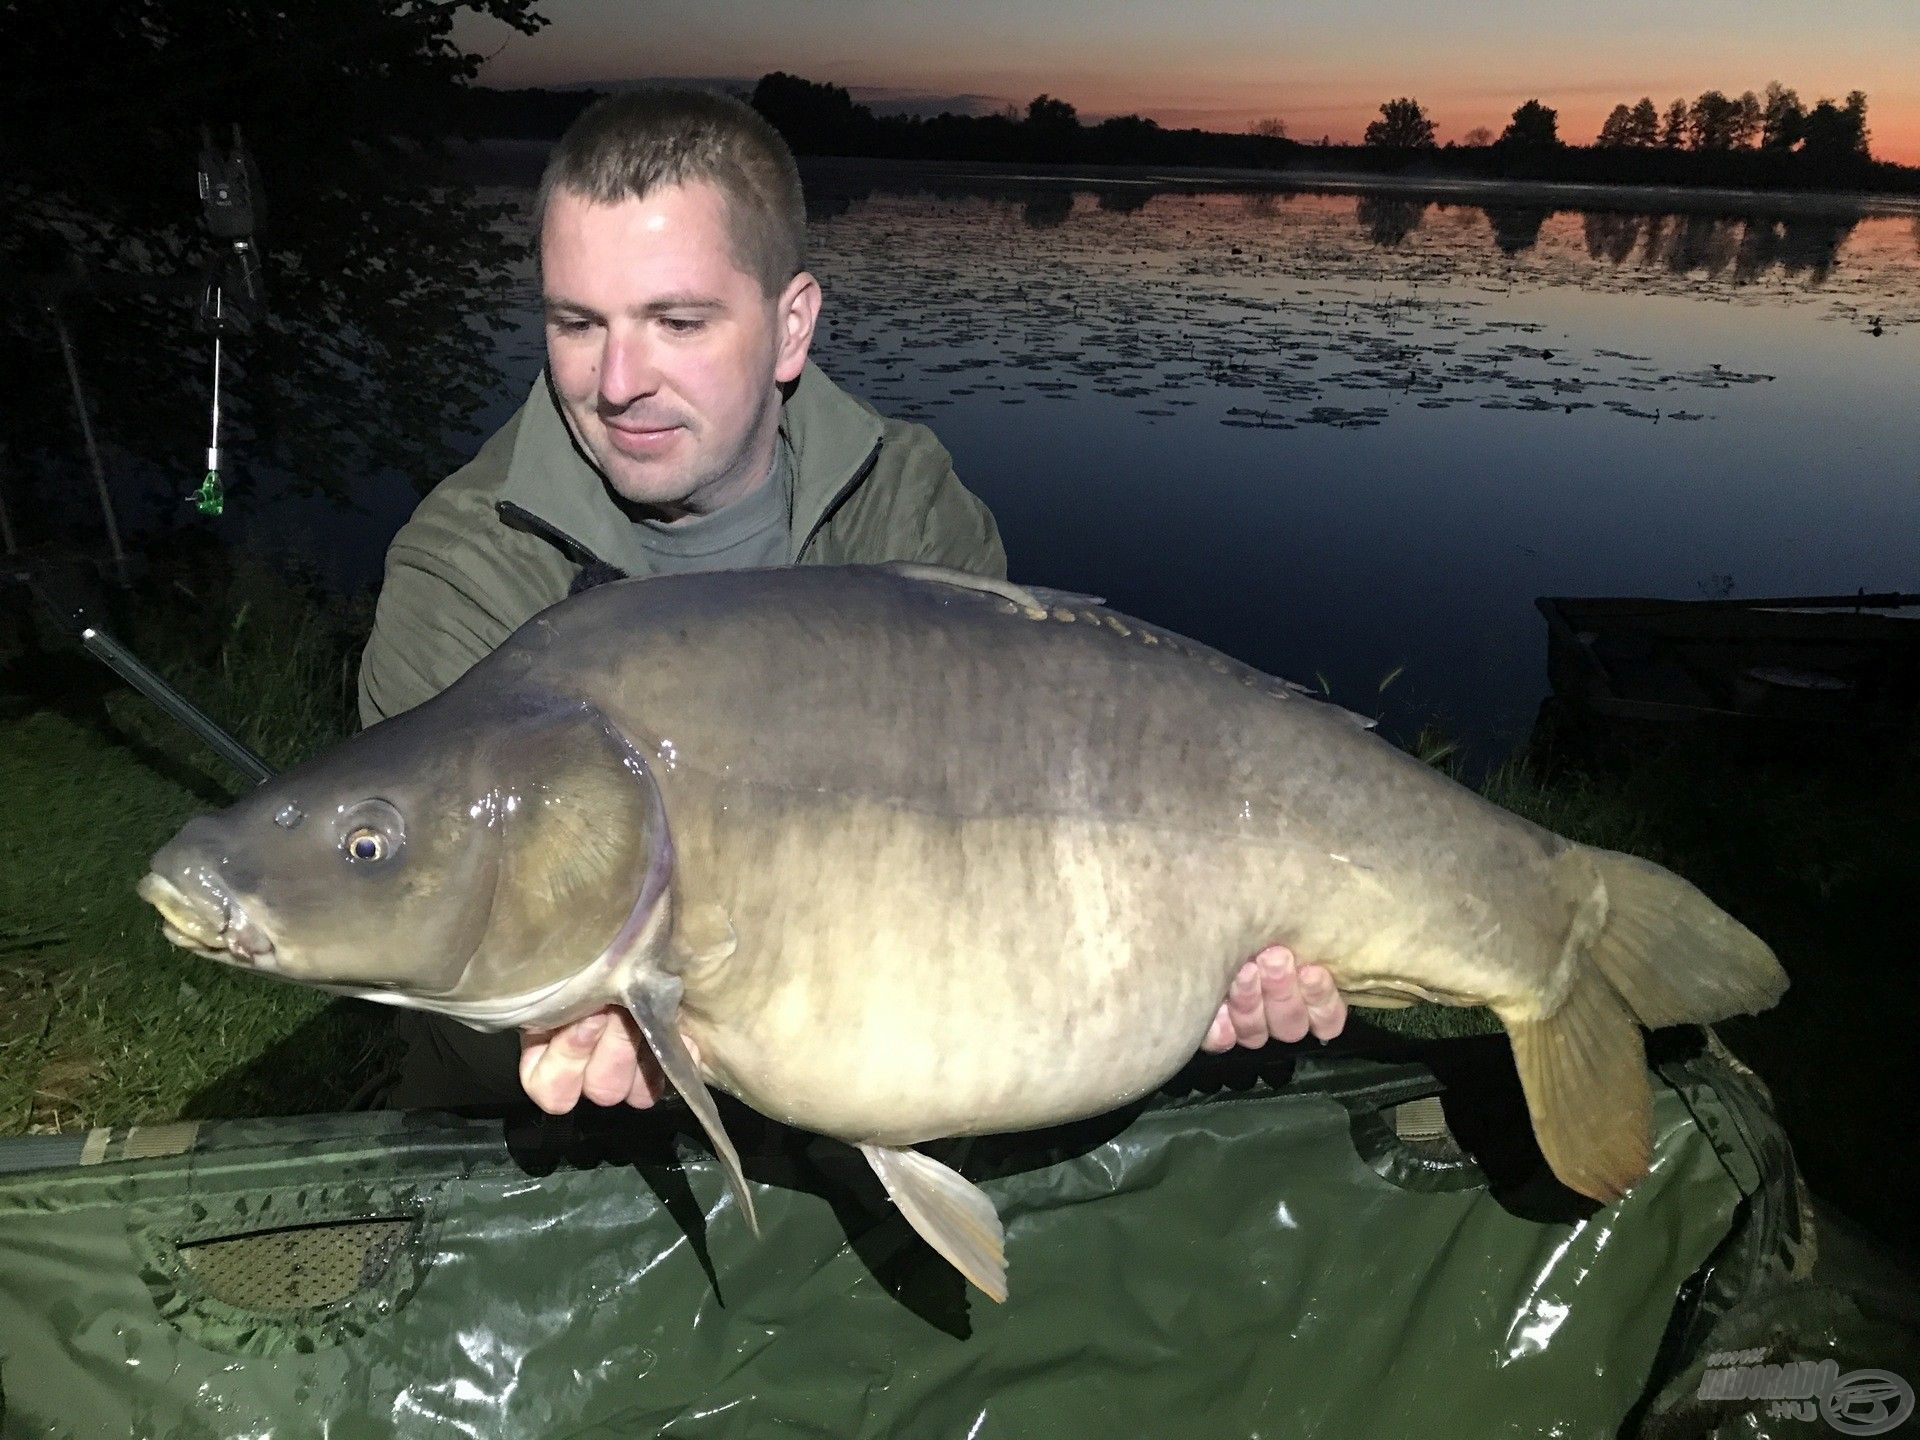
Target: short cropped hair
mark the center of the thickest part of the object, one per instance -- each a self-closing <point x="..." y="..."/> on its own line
<point x="625" y="146"/>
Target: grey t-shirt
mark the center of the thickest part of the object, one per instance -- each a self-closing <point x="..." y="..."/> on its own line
<point x="752" y="532"/>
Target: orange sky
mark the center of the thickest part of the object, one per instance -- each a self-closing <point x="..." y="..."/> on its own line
<point x="1222" y="63"/>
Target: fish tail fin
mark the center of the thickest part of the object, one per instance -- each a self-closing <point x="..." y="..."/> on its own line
<point x="1658" y="953"/>
<point x="1676" y="957"/>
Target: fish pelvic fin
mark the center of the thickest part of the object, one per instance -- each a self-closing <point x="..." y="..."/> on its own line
<point x="655" y="1003"/>
<point x="1647" y="949"/>
<point x="950" y="1213"/>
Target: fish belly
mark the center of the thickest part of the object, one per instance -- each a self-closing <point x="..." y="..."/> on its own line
<point x="961" y="977"/>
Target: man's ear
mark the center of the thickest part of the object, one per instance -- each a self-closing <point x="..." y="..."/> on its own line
<point x="794" y="315"/>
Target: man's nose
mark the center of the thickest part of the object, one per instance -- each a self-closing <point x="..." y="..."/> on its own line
<point x="627" y="370"/>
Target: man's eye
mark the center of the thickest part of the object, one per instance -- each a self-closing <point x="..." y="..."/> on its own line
<point x="680" y="325"/>
<point x="570" y="326"/>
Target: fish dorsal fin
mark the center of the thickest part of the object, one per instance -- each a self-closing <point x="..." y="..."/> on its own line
<point x="655" y="1002"/>
<point x="950" y="1213"/>
<point x="1027" y="597"/>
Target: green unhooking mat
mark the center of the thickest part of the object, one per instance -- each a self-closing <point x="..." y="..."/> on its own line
<point x="1266" y="1252"/>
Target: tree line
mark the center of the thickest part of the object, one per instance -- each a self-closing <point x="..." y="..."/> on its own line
<point x="1714" y="123"/>
<point x="1770" y="141"/>
<point x="1764" y="142"/>
<point x="1774" y="121"/>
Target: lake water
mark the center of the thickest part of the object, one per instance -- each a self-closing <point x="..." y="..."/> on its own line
<point x="1349" y="436"/>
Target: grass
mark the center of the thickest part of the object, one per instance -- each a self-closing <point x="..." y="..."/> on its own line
<point x="101" y="1022"/>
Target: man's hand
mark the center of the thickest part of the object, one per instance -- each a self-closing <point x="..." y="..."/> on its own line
<point x="600" y="1056"/>
<point x="1272" y="1000"/>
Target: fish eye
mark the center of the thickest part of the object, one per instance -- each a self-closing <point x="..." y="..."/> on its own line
<point x="370" y="831"/>
<point x="366" y="843"/>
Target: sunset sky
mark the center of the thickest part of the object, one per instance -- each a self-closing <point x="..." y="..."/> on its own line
<point x="1220" y="64"/>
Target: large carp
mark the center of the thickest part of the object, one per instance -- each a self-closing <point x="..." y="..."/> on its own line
<point x="906" y="854"/>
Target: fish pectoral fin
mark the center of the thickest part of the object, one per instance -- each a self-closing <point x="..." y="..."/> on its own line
<point x="950" y="1213"/>
<point x="655" y="1003"/>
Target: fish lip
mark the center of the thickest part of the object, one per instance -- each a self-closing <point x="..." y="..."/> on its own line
<point x="206" y="919"/>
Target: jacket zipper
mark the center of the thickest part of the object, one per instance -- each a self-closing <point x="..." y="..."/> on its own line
<point x="570" y="547"/>
<point x="851" y="484"/>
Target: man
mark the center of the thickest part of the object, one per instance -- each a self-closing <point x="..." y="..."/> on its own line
<point x="678" y="426"/>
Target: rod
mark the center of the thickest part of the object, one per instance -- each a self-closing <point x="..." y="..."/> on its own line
<point x="127" y="666"/>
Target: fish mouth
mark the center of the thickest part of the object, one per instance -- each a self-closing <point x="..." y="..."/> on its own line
<point x="207" y="920"/>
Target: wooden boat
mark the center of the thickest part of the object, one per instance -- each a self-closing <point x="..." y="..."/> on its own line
<point x="1850" y="662"/>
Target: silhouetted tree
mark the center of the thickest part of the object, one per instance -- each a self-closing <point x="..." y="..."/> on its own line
<point x="1747" y="120"/>
<point x="1125" y="138"/>
<point x="1050" y="130"/>
<point x="1270" y="128"/>
<point x="1673" y="130"/>
<point x="1856" y="112"/>
<point x="815" y="119"/>
<point x="1534" y="127"/>
<point x="1831" y="135"/>
<point x="1048" y="114"/>
<point x="1645" y="131"/>
<point x="1713" y="122"/>
<point x="384" y="273"/>
<point x="1402" y="125"/>
<point x="1781" y="116"/>
<point x="1479" y="135"/>
<point x="1616" y="131"/>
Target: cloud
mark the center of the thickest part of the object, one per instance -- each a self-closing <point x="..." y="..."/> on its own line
<point x="895" y="100"/>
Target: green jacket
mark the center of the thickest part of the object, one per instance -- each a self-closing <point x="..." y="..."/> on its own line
<point x="502" y="538"/>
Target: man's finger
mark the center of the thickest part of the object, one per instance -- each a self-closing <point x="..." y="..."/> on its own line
<point x="1280" y="993"/>
<point x="552" y="1066"/>
<point x="1219" y="1033"/>
<point x="1326" y="1006"/>
<point x="615" y="1063"/>
<point x="1246" y="1009"/>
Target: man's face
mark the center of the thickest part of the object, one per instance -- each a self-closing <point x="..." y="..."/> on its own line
<point x="665" y="354"/>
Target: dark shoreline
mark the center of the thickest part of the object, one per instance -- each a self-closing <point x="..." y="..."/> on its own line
<point x="518" y="162"/>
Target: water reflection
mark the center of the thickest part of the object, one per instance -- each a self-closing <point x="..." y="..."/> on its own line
<point x="1389" y="219"/>
<point x="1516" y="227"/>
<point x="1611" y="235"/>
<point x="1329" y="311"/>
<point x="1124" y="199"/>
<point x="1346" y="433"/>
<point x="1745" y="248"/>
<point x="1047" y="208"/>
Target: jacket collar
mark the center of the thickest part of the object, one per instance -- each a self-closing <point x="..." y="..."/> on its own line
<point x="831" y="436"/>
